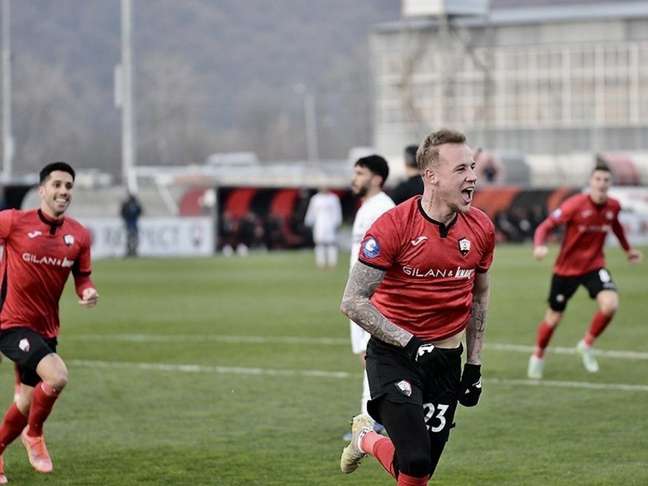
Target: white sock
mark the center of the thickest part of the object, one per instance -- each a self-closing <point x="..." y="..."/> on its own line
<point x="320" y="256"/>
<point x="366" y="395"/>
<point x="360" y="437"/>
<point x="332" y="255"/>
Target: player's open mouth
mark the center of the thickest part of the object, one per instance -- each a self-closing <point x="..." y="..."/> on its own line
<point x="468" y="194"/>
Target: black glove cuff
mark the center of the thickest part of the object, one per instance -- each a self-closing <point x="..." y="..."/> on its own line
<point x="471" y="373"/>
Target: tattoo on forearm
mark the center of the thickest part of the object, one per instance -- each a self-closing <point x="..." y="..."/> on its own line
<point x="475" y="331"/>
<point x="477" y="324"/>
<point x="356" y="305"/>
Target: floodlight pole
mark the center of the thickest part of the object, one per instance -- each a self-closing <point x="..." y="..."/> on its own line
<point x="126" y="98"/>
<point x="311" y="127"/>
<point x="7" y="137"/>
<point x="310" y="121"/>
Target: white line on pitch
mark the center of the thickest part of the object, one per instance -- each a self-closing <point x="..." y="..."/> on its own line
<point x="323" y="341"/>
<point x="235" y="370"/>
<point x="164" y="338"/>
<point x="195" y="368"/>
<point x="608" y="353"/>
<point x="570" y="384"/>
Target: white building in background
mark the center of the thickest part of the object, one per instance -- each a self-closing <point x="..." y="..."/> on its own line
<point x="549" y="79"/>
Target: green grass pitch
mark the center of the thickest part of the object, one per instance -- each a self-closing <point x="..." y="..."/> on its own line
<point x="239" y="372"/>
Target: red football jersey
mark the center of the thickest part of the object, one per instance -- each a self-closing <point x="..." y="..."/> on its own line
<point x="430" y="268"/>
<point x="39" y="254"/>
<point x="587" y="226"/>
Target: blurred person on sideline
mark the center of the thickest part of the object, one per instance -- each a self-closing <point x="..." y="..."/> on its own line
<point x="324" y="216"/>
<point x="131" y="210"/>
<point x="250" y="233"/>
<point x="421" y="285"/>
<point x="369" y="176"/>
<point x="490" y="169"/>
<point x="587" y="218"/>
<point x="42" y="247"/>
<point x="413" y="184"/>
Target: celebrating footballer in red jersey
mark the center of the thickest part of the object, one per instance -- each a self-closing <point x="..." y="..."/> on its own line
<point x="42" y="247"/>
<point x="587" y="218"/>
<point x="420" y="286"/>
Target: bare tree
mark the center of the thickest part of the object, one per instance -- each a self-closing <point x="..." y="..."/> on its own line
<point x="50" y="115"/>
<point x="171" y="104"/>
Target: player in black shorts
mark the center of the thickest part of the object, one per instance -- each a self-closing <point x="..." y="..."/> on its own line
<point x="563" y="288"/>
<point x="395" y="379"/>
<point x="26" y="348"/>
<point x="587" y="219"/>
<point x="421" y="288"/>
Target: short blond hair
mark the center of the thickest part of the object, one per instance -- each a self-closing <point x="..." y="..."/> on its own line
<point x="428" y="153"/>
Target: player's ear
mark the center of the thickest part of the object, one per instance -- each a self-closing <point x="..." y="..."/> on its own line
<point x="430" y="175"/>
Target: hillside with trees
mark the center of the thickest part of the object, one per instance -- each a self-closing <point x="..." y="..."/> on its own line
<point x="211" y="76"/>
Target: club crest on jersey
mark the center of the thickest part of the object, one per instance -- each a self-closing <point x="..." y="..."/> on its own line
<point x="404" y="387"/>
<point x="69" y="240"/>
<point x="609" y="215"/>
<point x="464" y="246"/>
<point x="24" y="345"/>
<point x="371" y="248"/>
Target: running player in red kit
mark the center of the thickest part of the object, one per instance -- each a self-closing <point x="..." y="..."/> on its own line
<point x="588" y="219"/>
<point x="420" y="285"/>
<point x="42" y="247"/>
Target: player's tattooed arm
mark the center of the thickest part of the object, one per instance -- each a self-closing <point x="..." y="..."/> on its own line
<point x="357" y="306"/>
<point x="477" y="324"/>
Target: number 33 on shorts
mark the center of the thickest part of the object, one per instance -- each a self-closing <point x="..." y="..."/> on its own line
<point x="435" y="416"/>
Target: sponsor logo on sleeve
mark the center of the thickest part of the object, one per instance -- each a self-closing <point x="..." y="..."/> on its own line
<point x="371" y="248"/>
<point x="556" y="214"/>
<point x="24" y="345"/>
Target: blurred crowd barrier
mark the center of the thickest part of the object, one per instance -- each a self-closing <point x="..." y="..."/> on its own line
<point x="171" y="236"/>
<point x="208" y="220"/>
<point x="518" y="211"/>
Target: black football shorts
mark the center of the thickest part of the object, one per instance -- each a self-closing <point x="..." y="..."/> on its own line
<point x="394" y="377"/>
<point x="26" y="348"/>
<point x="563" y="288"/>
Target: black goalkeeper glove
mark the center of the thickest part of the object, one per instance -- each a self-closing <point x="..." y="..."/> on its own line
<point x="470" y="388"/>
<point x="423" y="353"/>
